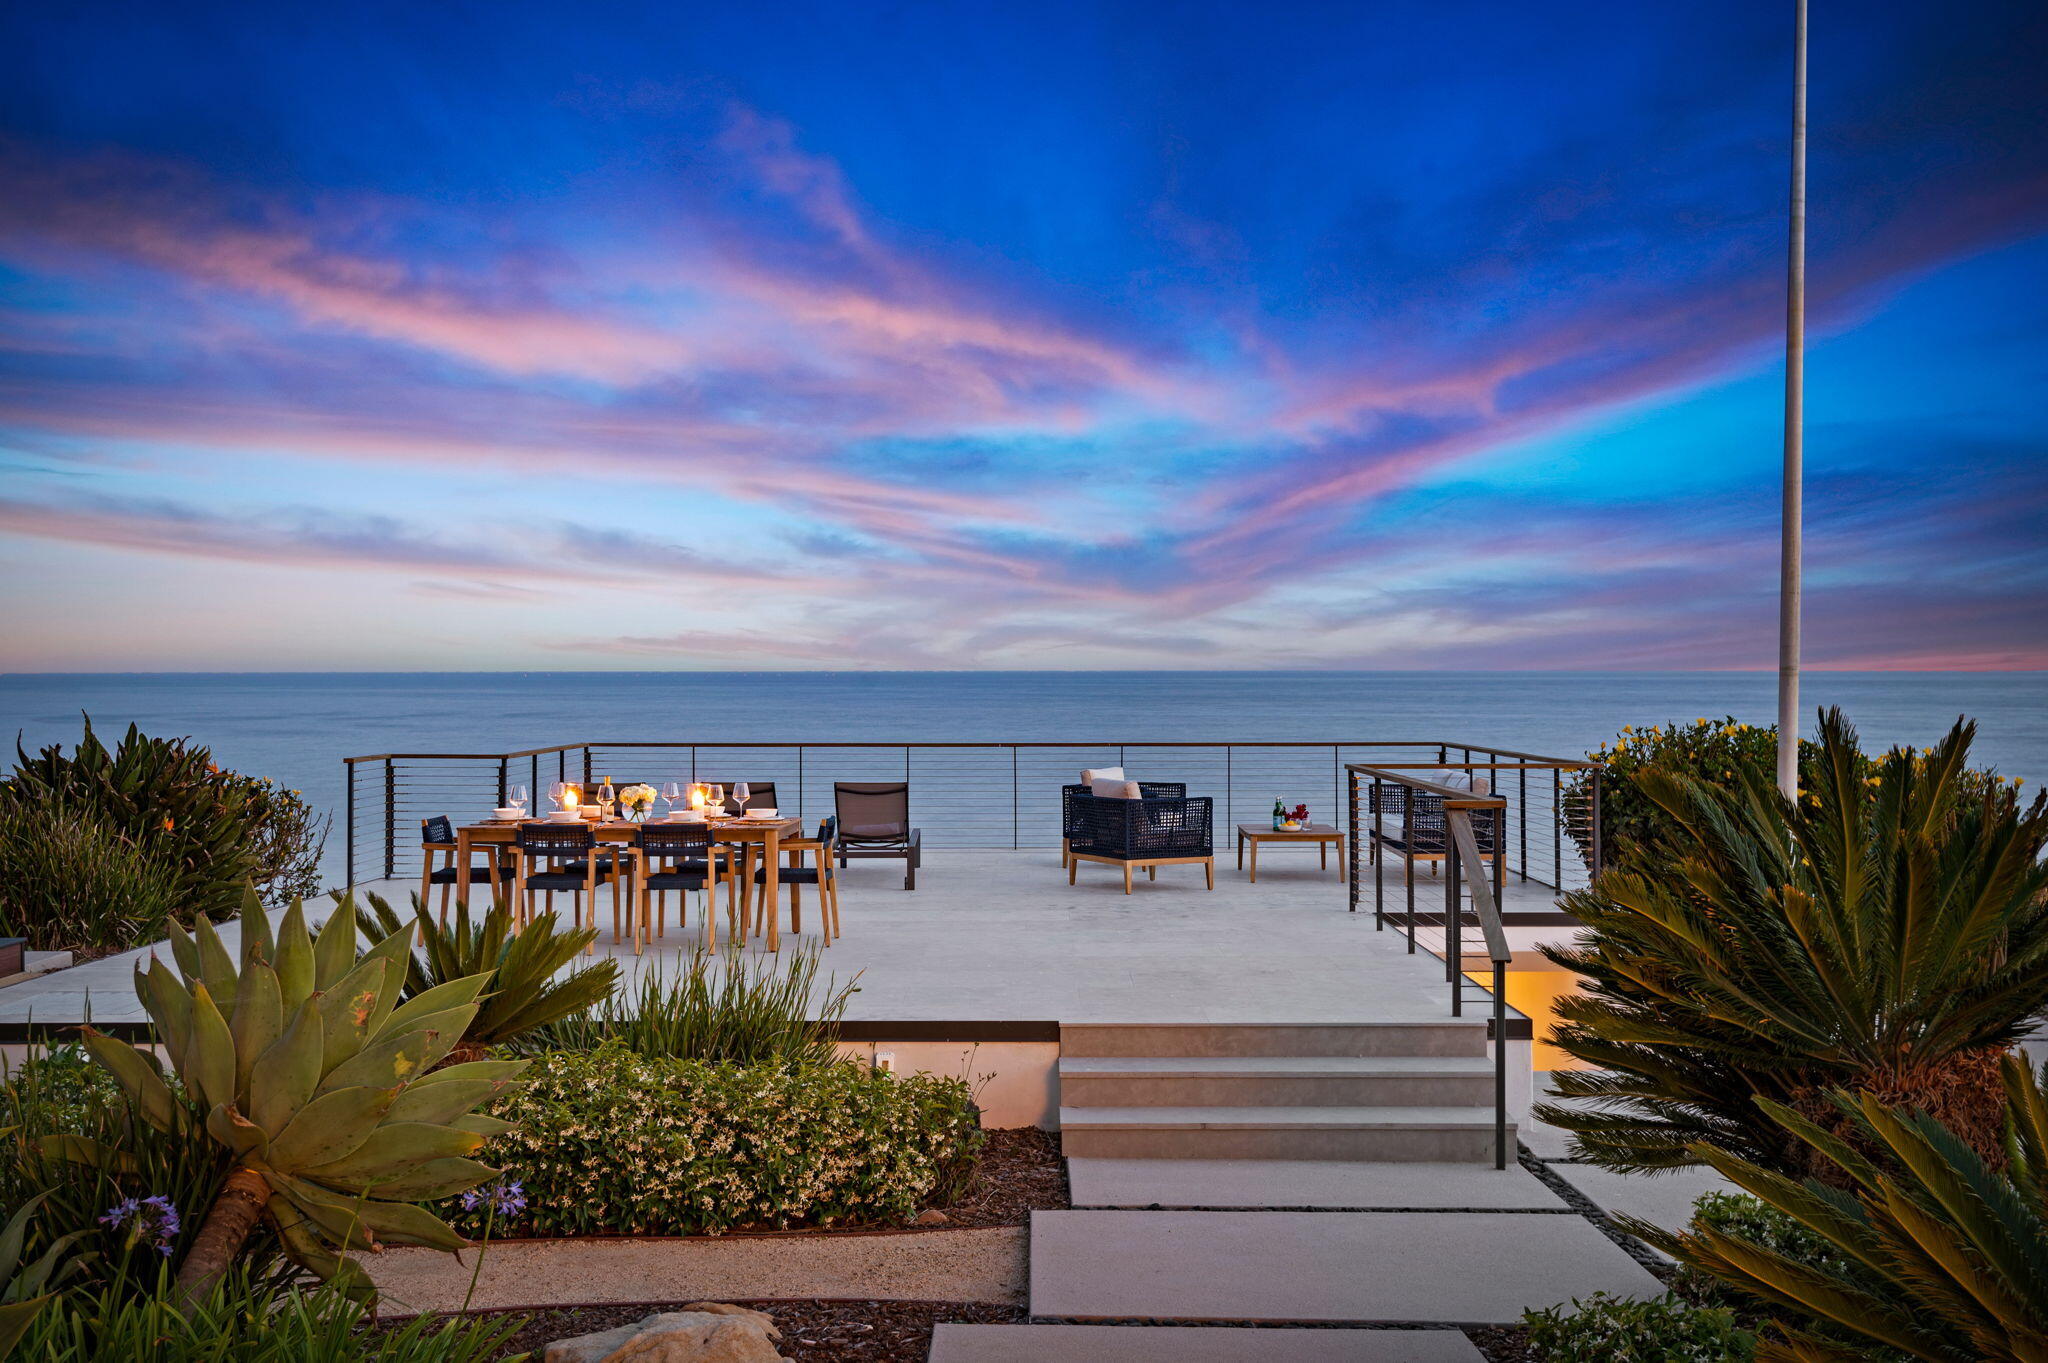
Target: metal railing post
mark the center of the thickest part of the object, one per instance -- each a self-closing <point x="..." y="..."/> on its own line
<point x="503" y="774"/>
<point x="1454" y="918"/>
<point x="1500" y="1065"/>
<point x="350" y="872"/>
<point x="1557" y="817"/>
<point x="390" y="820"/>
<point x="1016" y="821"/>
<point x="1522" y="809"/>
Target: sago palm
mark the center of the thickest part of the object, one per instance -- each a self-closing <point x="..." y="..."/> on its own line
<point x="523" y="992"/>
<point x="319" y="1083"/>
<point x="1938" y="1253"/>
<point x="1888" y="934"/>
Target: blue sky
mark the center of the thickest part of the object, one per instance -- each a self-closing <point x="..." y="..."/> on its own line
<point x="1363" y="335"/>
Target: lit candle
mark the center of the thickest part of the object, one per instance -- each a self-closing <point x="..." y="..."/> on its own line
<point x="570" y="797"/>
<point x="698" y="795"/>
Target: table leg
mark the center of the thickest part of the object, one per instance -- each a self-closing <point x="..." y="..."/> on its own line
<point x="1255" y="861"/>
<point x="465" y="846"/>
<point x="772" y="852"/>
<point x="1240" y="851"/>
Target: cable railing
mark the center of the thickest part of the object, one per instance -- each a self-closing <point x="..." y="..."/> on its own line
<point x="1391" y="811"/>
<point x="967" y="795"/>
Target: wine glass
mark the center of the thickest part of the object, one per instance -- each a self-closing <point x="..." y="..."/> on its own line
<point x="717" y="797"/>
<point x="739" y="796"/>
<point x="557" y="791"/>
<point x="671" y="793"/>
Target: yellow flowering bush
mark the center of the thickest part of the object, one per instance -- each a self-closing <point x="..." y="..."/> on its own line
<point x="608" y="1142"/>
<point x="1715" y="751"/>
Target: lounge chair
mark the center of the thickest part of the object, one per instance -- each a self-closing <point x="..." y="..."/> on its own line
<point x="1169" y="830"/>
<point x="874" y="821"/>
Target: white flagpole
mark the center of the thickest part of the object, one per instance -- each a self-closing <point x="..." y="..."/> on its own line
<point x="1795" y="396"/>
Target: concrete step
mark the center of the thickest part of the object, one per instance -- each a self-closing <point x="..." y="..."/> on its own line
<point x="1345" y="1268"/>
<point x="1159" y="1040"/>
<point x="1277" y="1081"/>
<point x="953" y="1343"/>
<point x="1390" y="1134"/>
<point x="1339" y="1184"/>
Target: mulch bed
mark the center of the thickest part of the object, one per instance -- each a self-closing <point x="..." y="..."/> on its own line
<point x="1020" y="1172"/>
<point x="812" y="1331"/>
<point x="1502" y="1343"/>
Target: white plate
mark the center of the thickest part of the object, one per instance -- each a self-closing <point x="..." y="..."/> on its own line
<point x="761" y="814"/>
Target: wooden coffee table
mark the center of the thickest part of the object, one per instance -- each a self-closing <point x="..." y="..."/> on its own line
<point x="1322" y="834"/>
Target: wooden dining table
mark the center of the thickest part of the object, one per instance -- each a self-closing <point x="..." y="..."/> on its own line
<point x="755" y="838"/>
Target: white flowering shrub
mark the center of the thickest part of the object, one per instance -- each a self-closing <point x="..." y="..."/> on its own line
<point x="608" y="1142"/>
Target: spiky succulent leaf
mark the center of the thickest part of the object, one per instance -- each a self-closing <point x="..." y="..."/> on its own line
<point x="169" y="1003"/>
<point x="334" y="950"/>
<point x="288" y="1071"/>
<point x="88" y="1152"/>
<point x="209" y="1068"/>
<point x="393" y="1147"/>
<point x="445" y="1101"/>
<point x="139" y="1079"/>
<point x="329" y="1127"/>
<point x="257" y="943"/>
<point x="294" y="954"/>
<point x="395" y="1060"/>
<point x="434" y="1180"/>
<point x="216" y="966"/>
<point x="483" y="1124"/>
<point x="235" y="1131"/>
<point x="347" y="1009"/>
<point x="259" y="1018"/>
<point x="416" y="1011"/>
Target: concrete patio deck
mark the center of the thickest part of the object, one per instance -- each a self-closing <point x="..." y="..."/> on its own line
<point x="1000" y="937"/>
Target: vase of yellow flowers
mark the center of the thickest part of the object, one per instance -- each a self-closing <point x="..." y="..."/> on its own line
<point x="636" y="802"/>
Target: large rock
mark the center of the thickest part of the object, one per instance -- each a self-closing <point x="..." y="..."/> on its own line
<point x="702" y="1332"/>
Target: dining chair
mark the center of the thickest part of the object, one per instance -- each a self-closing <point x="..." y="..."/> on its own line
<point x="437" y="840"/>
<point x="760" y="795"/>
<point x="681" y="857"/>
<point x="560" y="857"/>
<point x="824" y="874"/>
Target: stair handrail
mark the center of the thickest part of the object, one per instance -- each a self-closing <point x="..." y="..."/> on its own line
<point x="1468" y="862"/>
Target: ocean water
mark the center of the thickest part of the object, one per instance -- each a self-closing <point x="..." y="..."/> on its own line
<point x="297" y="727"/>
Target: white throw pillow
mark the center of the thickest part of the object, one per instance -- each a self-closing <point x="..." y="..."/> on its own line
<point x="1461" y="779"/>
<point x="1094" y="774"/>
<point x="1111" y="788"/>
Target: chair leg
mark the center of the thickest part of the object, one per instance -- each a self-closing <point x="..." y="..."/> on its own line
<point x="1073" y="868"/>
<point x="426" y="878"/>
<point x="1209" y="868"/>
<point x="1127" y="877"/>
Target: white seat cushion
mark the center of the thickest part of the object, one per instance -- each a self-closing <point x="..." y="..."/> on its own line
<point x="1094" y="774"/>
<point x="1114" y="788"/>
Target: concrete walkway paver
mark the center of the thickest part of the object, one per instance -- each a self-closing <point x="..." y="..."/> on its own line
<point x="1216" y="1183"/>
<point x="1194" y="1344"/>
<point x="945" y="1265"/>
<point x="1661" y="1199"/>
<point x="1440" y="1267"/>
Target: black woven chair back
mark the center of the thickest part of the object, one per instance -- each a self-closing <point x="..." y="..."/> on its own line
<point x="828" y="829"/>
<point x="440" y="828"/>
<point x="674" y="840"/>
<point x="556" y="840"/>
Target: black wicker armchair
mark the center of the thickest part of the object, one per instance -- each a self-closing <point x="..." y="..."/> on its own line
<point x="1070" y="817"/>
<point x="1410" y="823"/>
<point x="1152" y="831"/>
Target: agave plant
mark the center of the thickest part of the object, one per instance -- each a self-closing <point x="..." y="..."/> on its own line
<point x="24" y="1288"/>
<point x="319" y="1083"/>
<point x="1888" y="933"/>
<point x="523" y="992"/>
<point x="1939" y="1253"/>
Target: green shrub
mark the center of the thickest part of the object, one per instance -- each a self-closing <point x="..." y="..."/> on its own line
<point x="1618" y="1330"/>
<point x="68" y="882"/>
<point x="717" y="1007"/>
<point x="1758" y="1223"/>
<point x="213" y="832"/>
<point x="288" y="836"/>
<point x="1715" y="751"/>
<point x="1890" y="934"/>
<point x="246" y="1321"/>
<point x="610" y="1142"/>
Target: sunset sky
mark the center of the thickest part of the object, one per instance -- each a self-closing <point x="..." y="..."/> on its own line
<point x="549" y="336"/>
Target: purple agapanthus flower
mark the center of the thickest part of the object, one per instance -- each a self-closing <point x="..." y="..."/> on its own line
<point x="149" y="1221"/>
<point x="506" y="1198"/>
